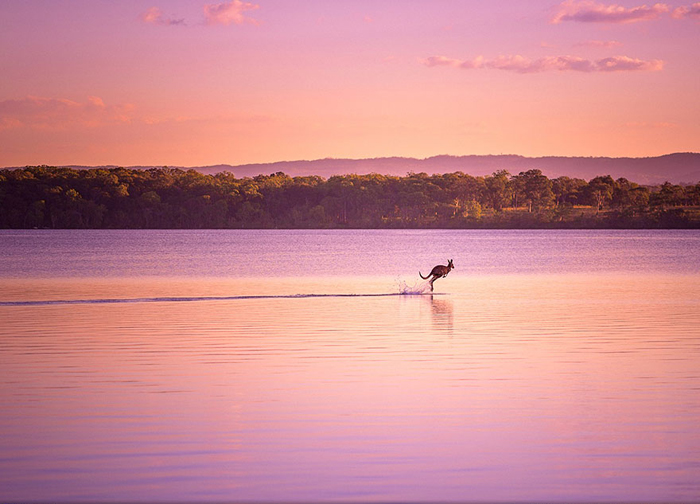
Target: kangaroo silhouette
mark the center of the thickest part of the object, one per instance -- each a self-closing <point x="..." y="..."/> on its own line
<point x="438" y="272"/>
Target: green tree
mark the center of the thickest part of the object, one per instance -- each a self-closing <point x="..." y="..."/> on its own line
<point x="498" y="189"/>
<point x="536" y="189"/>
<point x="568" y="191"/>
<point x="44" y="196"/>
<point x="600" y="191"/>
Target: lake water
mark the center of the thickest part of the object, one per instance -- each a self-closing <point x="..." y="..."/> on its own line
<point x="316" y="366"/>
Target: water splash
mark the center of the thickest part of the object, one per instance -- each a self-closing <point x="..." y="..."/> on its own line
<point x="417" y="289"/>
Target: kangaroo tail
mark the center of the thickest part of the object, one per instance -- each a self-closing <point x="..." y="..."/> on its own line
<point x="421" y="275"/>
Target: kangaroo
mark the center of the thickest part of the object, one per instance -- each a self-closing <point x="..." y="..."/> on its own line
<point x="438" y="272"/>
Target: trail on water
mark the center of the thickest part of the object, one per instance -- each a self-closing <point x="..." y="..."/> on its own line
<point x="404" y="290"/>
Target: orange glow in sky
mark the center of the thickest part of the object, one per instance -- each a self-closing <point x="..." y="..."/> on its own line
<point x="191" y="83"/>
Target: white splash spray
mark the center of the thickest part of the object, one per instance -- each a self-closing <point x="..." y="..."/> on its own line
<point x="417" y="289"/>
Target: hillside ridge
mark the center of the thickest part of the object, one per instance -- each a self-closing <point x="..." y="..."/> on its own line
<point x="680" y="167"/>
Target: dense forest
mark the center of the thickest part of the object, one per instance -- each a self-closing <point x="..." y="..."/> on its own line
<point x="49" y="197"/>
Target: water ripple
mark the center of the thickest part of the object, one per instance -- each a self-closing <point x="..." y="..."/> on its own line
<point x="170" y="299"/>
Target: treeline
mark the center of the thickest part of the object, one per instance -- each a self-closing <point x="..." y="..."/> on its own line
<point x="48" y="197"/>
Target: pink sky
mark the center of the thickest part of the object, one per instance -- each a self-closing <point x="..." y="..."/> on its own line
<point x="197" y="82"/>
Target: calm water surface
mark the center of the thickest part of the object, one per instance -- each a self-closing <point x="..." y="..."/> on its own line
<point x="314" y="366"/>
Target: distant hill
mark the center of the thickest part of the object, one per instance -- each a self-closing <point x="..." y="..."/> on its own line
<point x="675" y="168"/>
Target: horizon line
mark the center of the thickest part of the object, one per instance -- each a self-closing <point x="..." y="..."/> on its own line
<point x="347" y="159"/>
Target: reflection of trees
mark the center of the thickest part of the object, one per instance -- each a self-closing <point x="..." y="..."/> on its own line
<point x="49" y="197"/>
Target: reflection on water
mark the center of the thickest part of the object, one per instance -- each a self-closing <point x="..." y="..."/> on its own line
<point x="238" y="366"/>
<point x="511" y="387"/>
<point x="294" y="253"/>
<point x="443" y="313"/>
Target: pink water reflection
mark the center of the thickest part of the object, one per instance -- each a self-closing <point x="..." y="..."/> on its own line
<point x="516" y="387"/>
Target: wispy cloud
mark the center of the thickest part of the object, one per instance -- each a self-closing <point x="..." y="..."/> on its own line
<point x="588" y="11"/>
<point x="691" y="12"/>
<point x="230" y="12"/>
<point x="602" y="44"/>
<point x="626" y="64"/>
<point x="523" y="65"/>
<point x="155" y="16"/>
<point x="434" y="61"/>
<point x="59" y="113"/>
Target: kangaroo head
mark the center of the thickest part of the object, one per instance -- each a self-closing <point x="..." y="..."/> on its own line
<point x="450" y="265"/>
